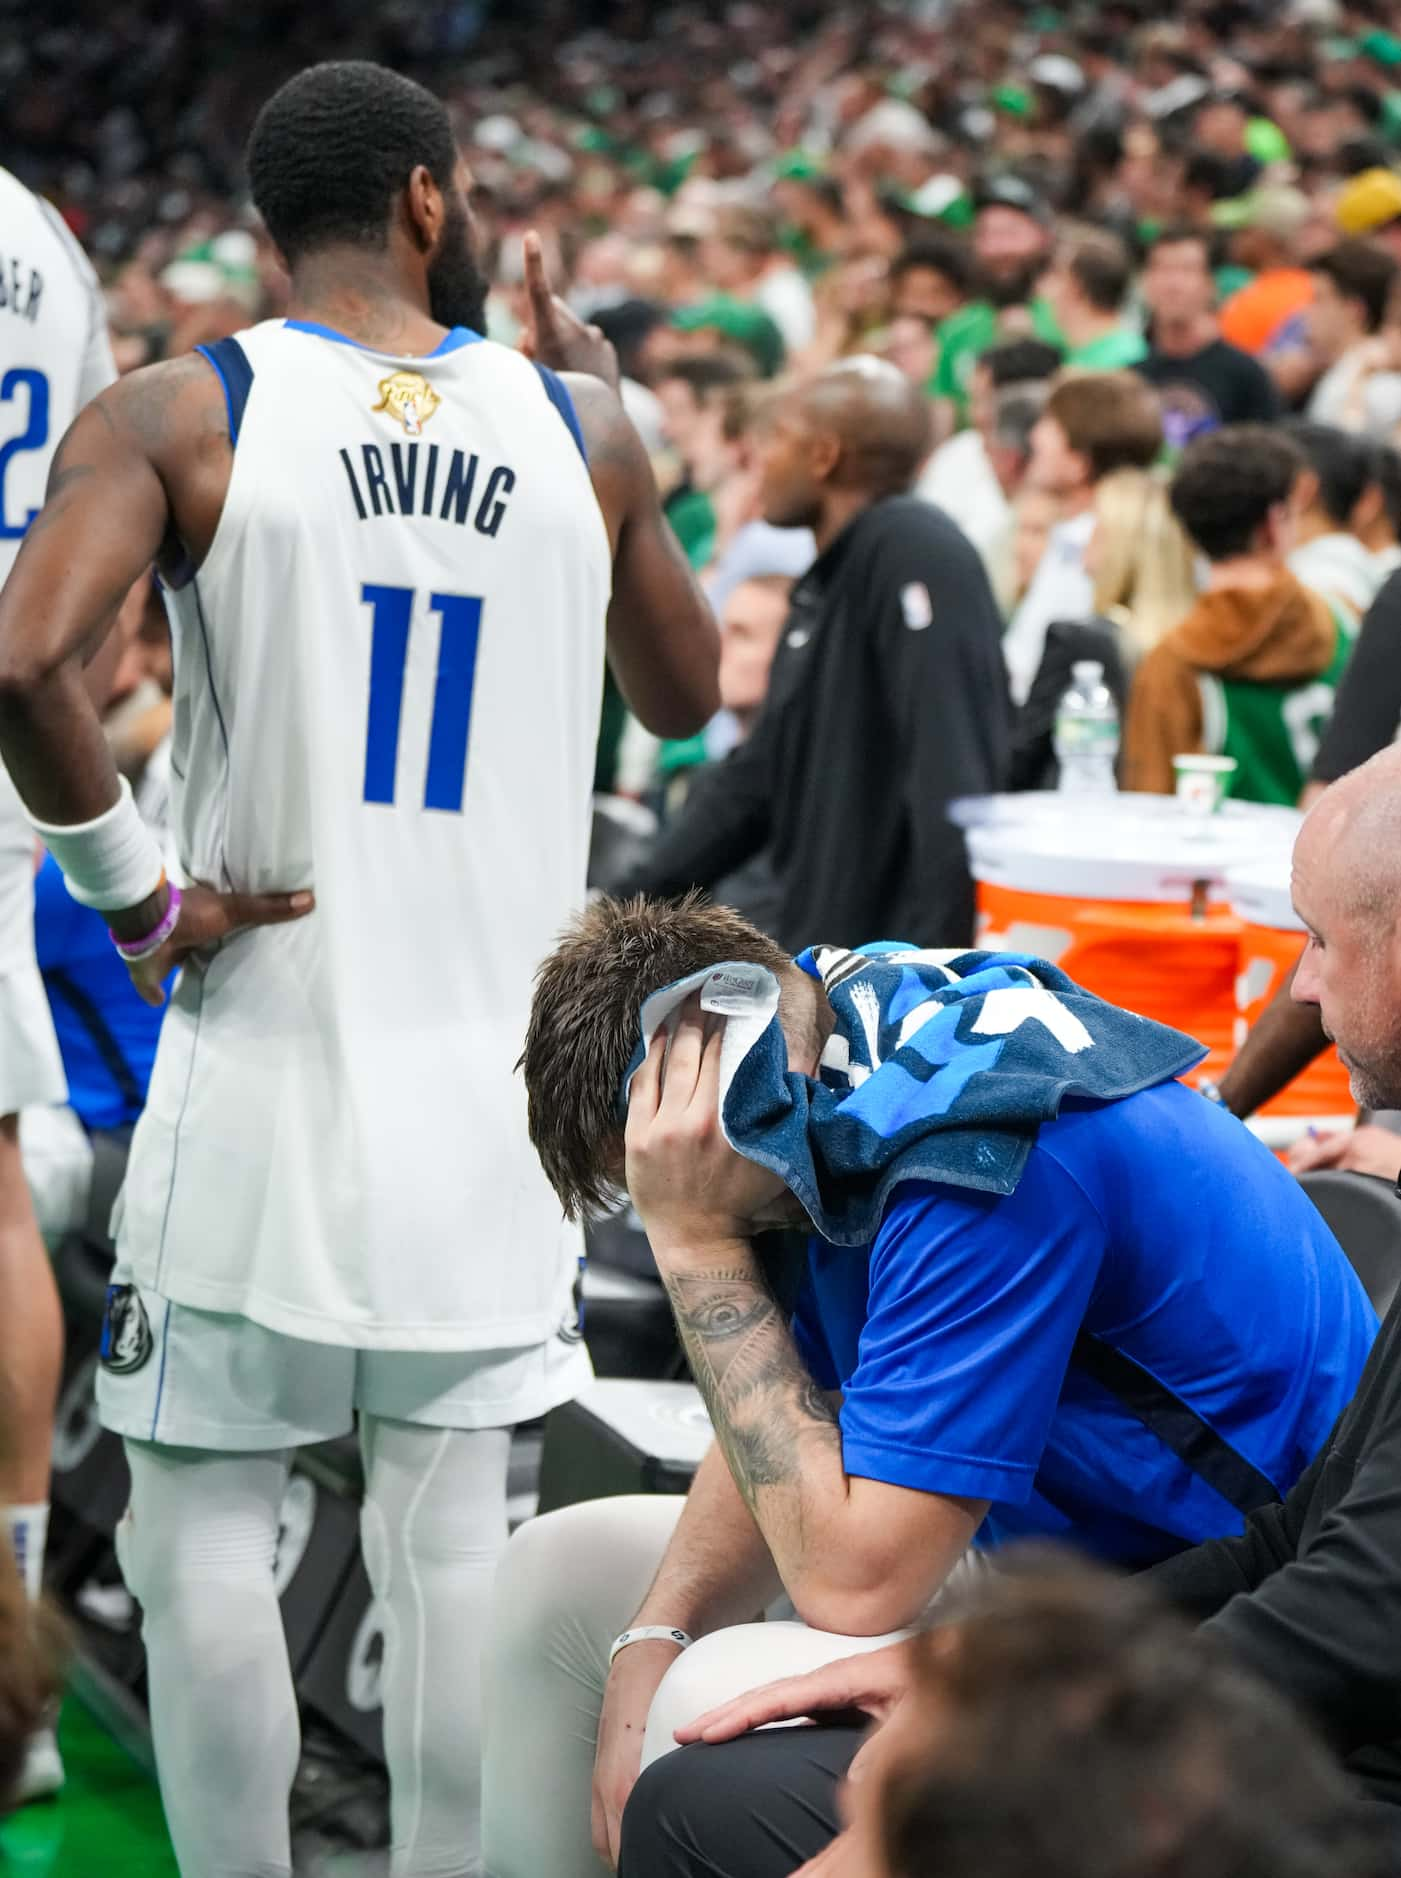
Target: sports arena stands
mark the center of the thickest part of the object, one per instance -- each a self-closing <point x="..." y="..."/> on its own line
<point x="997" y="467"/>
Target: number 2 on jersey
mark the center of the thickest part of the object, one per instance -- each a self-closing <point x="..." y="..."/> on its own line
<point x="461" y="617"/>
<point x="33" y="437"/>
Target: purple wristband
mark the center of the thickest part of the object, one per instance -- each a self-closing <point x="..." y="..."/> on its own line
<point x="134" y="950"/>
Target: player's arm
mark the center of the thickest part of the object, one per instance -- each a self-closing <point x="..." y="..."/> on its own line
<point x="859" y="1554"/>
<point x="104" y="521"/>
<point x="1280" y="1046"/>
<point x="663" y="644"/>
<point x="662" y="639"/>
<point x="715" y="1572"/>
<point x="107" y="516"/>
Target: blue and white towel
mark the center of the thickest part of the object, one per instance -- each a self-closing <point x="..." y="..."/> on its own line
<point x="942" y="1066"/>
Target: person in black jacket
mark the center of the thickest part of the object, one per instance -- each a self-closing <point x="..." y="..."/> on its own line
<point x="887" y="698"/>
<point x="1367" y="714"/>
<point x="1308" y="1597"/>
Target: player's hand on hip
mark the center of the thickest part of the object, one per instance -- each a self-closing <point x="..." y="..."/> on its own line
<point x="633" y="1681"/>
<point x="206" y="917"/>
<point x="556" y="336"/>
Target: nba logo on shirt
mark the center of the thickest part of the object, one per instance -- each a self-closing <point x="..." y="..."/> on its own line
<point x="916" y="606"/>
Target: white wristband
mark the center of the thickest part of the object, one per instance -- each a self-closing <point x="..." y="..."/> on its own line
<point x="650" y="1633"/>
<point x="110" y="863"/>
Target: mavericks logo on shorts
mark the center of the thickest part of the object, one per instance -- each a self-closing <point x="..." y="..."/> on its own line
<point x="126" y="1332"/>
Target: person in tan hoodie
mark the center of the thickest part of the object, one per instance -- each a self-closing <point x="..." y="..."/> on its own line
<point x="1251" y="671"/>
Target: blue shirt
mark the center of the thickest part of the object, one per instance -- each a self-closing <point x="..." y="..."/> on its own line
<point x="1159" y="1225"/>
<point x="86" y="981"/>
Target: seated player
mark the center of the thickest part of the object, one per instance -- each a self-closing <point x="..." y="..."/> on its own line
<point x="1305" y="1597"/>
<point x="1060" y="1294"/>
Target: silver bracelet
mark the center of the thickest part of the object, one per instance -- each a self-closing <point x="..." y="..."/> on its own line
<point x="650" y="1633"/>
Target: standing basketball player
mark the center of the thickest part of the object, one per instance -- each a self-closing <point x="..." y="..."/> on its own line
<point x="54" y="357"/>
<point x="390" y="545"/>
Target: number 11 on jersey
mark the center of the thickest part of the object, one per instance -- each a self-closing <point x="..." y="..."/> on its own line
<point x="392" y="618"/>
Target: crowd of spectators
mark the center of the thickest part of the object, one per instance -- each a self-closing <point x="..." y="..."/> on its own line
<point x="1067" y="331"/>
<point x="996" y="199"/>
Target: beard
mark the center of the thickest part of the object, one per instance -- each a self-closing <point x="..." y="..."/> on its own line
<point x="1375" y="1084"/>
<point x="457" y="287"/>
<point x="1013" y="285"/>
<point x="1372" y="1088"/>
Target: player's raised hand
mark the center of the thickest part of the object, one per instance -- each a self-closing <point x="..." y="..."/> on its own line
<point x="206" y="917"/>
<point x="556" y="336"/>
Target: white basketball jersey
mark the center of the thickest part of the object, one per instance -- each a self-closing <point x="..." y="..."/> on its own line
<point x="54" y="357"/>
<point x="54" y="351"/>
<point x="388" y="680"/>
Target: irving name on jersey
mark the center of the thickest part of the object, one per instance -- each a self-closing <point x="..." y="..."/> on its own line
<point x="415" y="479"/>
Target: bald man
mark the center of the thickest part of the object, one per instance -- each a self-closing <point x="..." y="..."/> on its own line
<point x="1321" y="1572"/>
<point x="888" y="696"/>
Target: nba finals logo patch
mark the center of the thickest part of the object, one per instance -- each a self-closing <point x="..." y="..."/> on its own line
<point x="409" y="397"/>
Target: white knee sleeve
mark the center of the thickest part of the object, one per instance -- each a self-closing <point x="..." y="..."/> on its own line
<point x="568" y="1584"/>
<point x="197" y="1548"/>
<point x="729" y="1663"/>
<point x="433" y="1528"/>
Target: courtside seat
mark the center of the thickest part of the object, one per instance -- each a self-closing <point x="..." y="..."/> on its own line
<point x="1364" y="1215"/>
<point x="623" y="1436"/>
<point x="628" y="1325"/>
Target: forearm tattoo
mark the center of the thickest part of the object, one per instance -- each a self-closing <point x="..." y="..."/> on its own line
<point x="772" y="1420"/>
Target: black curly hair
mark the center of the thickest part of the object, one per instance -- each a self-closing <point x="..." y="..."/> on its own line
<point x="1227" y="483"/>
<point x="332" y="148"/>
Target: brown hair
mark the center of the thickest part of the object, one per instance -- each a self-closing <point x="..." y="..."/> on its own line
<point x="1099" y="264"/>
<point x="1074" y="1727"/>
<point x="1113" y="419"/>
<point x="584" y="1022"/>
<point x="748" y="228"/>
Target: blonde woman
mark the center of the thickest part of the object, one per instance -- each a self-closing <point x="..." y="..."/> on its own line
<point x="1141" y="563"/>
<point x="1144" y="576"/>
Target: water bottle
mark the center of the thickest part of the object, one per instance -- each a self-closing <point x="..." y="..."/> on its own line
<point x="1087" y="732"/>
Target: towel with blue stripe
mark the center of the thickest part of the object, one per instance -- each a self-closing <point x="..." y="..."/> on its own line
<point x="941" y="1066"/>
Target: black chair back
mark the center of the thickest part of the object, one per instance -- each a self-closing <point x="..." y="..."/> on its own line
<point x="1364" y="1215"/>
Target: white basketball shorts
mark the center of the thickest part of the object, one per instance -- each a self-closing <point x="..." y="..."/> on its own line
<point x="198" y="1379"/>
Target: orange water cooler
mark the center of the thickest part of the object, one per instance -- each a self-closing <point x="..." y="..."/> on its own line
<point x="1131" y="904"/>
<point x="1272" y="937"/>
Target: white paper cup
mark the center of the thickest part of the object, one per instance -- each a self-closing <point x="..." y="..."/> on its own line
<point x="1202" y="782"/>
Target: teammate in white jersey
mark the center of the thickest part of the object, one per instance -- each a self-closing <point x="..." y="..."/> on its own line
<point x="54" y="357"/>
<point x="391" y="546"/>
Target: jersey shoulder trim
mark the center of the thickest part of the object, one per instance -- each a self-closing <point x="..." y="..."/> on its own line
<point x="451" y="341"/>
<point x="230" y="361"/>
<point x="558" y="394"/>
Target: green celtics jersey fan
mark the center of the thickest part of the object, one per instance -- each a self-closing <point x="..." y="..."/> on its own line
<point x="1251" y="672"/>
